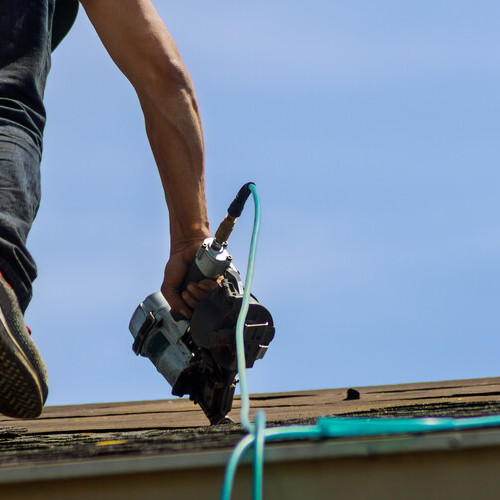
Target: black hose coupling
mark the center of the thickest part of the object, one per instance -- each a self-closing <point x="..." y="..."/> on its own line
<point x="238" y="203"/>
<point x="233" y="212"/>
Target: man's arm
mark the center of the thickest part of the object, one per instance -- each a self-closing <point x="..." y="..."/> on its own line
<point x="141" y="46"/>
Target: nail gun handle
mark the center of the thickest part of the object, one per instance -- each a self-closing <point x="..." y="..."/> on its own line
<point x="209" y="263"/>
<point x="194" y="274"/>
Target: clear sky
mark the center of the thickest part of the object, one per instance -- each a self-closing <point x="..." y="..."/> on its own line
<point x="371" y="131"/>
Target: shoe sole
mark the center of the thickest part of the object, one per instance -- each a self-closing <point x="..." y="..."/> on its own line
<point x="20" y="390"/>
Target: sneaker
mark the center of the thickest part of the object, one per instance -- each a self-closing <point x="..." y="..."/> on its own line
<point x="23" y="378"/>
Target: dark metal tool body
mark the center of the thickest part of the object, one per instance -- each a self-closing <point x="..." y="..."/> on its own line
<point x="198" y="356"/>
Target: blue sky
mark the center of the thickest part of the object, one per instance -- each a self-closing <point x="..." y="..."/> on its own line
<point x="371" y="131"/>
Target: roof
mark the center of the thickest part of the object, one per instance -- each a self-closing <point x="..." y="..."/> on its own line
<point x="154" y="437"/>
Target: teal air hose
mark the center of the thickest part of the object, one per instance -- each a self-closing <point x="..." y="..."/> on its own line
<point x="331" y="427"/>
<point x="258" y="465"/>
<point x="240" y="325"/>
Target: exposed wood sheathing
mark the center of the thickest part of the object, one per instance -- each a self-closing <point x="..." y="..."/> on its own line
<point x="182" y="413"/>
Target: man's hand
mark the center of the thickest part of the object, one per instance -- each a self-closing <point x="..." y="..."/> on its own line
<point x="175" y="270"/>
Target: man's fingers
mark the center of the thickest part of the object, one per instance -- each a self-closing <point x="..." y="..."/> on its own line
<point x="189" y="299"/>
<point x="207" y="285"/>
<point x="175" y="270"/>
<point x="175" y="301"/>
<point x="197" y="291"/>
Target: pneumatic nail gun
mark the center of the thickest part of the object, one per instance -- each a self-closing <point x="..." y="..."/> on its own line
<point x="198" y="356"/>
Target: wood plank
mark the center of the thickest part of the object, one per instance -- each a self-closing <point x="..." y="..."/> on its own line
<point x="182" y="413"/>
<point x="433" y="384"/>
<point x="196" y="418"/>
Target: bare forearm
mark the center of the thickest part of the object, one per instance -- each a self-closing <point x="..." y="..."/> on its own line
<point x="180" y="161"/>
<point x="142" y="48"/>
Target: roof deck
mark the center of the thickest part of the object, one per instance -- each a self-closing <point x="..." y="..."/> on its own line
<point x="153" y="448"/>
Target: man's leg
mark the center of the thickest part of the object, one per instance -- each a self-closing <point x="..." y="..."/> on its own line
<point x="19" y="198"/>
<point x="25" y="31"/>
